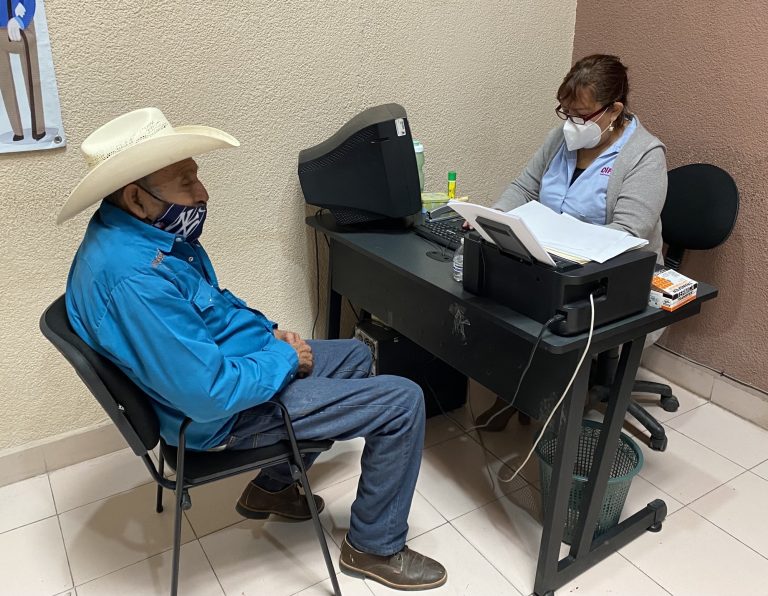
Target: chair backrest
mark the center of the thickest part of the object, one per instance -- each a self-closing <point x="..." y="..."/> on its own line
<point x="700" y="210"/>
<point x="127" y="405"/>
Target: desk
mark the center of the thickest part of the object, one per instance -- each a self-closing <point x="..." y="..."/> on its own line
<point x="389" y="275"/>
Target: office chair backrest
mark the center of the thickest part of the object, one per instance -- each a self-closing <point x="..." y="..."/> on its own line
<point x="700" y="211"/>
<point x="127" y="405"/>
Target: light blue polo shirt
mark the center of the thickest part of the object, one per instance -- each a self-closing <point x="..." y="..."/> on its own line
<point x="585" y="198"/>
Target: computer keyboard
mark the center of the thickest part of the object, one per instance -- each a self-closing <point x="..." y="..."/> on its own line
<point x="445" y="232"/>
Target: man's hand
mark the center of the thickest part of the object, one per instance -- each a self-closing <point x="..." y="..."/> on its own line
<point x="306" y="358"/>
<point x="14" y="30"/>
<point x="287" y="336"/>
<point x="303" y="351"/>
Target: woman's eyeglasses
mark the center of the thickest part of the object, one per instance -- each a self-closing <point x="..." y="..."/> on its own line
<point x="563" y="115"/>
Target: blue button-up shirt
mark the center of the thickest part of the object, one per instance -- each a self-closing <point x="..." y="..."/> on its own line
<point x="585" y="198"/>
<point x="150" y="302"/>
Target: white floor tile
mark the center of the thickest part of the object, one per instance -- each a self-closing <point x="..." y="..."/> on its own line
<point x="339" y="463"/>
<point x="688" y="400"/>
<point x="213" y="505"/>
<point x="727" y="434"/>
<point x="508" y="533"/>
<point x="97" y="478"/>
<point x="25" y="502"/>
<point x="113" y="533"/>
<point x="441" y="428"/>
<point x="454" y="477"/>
<point x="273" y="557"/>
<point x="469" y="574"/>
<point x="691" y="556"/>
<point x="686" y="470"/>
<point x="642" y="492"/>
<point x="349" y="586"/>
<point x="739" y="508"/>
<point x="512" y="446"/>
<point x="33" y="561"/>
<point x="152" y="577"/>
<point x="614" y="575"/>
<point x="761" y="470"/>
<point x="338" y="501"/>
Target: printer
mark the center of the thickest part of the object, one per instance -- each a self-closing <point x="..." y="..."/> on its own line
<point x="506" y="273"/>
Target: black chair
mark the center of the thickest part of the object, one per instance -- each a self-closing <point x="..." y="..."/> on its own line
<point x="699" y="214"/>
<point x="131" y="411"/>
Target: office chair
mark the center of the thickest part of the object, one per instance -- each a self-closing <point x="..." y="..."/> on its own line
<point x="131" y="411"/>
<point x="699" y="214"/>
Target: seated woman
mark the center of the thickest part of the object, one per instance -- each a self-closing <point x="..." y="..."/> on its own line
<point x="601" y="166"/>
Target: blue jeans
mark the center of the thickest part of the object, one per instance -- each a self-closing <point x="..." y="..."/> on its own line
<point x="339" y="401"/>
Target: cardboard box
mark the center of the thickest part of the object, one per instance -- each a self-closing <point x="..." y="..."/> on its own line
<point x="670" y="289"/>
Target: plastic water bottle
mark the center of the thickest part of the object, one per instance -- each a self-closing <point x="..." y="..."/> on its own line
<point x="458" y="262"/>
<point x="418" y="147"/>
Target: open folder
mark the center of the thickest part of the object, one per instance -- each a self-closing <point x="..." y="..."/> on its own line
<point x="544" y="233"/>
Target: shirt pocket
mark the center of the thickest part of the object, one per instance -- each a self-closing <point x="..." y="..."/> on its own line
<point x="204" y="299"/>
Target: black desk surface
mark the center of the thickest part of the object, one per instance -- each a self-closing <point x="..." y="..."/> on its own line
<point x="407" y="252"/>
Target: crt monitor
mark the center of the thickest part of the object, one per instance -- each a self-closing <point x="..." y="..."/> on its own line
<point x="365" y="172"/>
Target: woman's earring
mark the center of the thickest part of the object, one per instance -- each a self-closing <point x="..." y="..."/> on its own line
<point x="610" y="127"/>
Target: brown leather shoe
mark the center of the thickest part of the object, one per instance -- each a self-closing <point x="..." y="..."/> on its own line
<point x="405" y="570"/>
<point x="257" y="503"/>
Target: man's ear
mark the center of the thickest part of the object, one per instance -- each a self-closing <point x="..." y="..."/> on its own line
<point x="135" y="201"/>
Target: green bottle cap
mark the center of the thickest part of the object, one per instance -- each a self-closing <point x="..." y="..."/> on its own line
<point x="451" y="175"/>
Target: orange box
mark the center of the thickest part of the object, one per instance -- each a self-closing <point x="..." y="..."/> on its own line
<point x="670" y="289"/>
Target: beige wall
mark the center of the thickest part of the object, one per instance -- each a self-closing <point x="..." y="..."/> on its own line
<point x="698" y="75"/>
<point x="476" y="78"/>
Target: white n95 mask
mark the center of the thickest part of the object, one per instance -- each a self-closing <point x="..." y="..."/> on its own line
<point x="582" y="136"/>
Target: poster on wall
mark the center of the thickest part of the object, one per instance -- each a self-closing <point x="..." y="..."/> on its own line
<point x="30" y="117"/>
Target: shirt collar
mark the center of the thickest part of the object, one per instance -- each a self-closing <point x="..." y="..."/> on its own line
<point x="113" y="216"/>
<point x="629" y="128"/>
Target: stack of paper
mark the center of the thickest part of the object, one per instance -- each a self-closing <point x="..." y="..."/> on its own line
<point x="558" y="233"/>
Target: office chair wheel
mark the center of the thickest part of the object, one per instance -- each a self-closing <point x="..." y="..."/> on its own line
<point x="670" y="403"/>
<point x="655" y="527"/>
<point x="658" y="444"/>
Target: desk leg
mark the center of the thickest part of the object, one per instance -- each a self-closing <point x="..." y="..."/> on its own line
<point x="569" y="428"/>
<point x="618" y="402"/>
<point x="585" y="552"/>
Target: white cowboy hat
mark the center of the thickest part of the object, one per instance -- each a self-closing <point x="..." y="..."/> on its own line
<point x="132" y="146"/>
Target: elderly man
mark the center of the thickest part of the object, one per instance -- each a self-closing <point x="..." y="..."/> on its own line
<point x="143" y="292"/>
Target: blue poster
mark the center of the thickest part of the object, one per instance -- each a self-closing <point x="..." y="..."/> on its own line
<point x="30" y="117"/>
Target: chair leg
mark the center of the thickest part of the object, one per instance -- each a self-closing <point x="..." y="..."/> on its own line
<point x="182" y="502"/>
<point x="300" y="475"/>
<point x="658" y="441"/>
<point x="159" y="505"/>
<point x="668" y="401"/>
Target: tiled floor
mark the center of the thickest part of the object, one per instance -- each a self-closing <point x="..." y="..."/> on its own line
<point x="91" y="529"/>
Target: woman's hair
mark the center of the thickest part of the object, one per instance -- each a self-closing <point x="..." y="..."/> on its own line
<point x="602" y="74"/>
